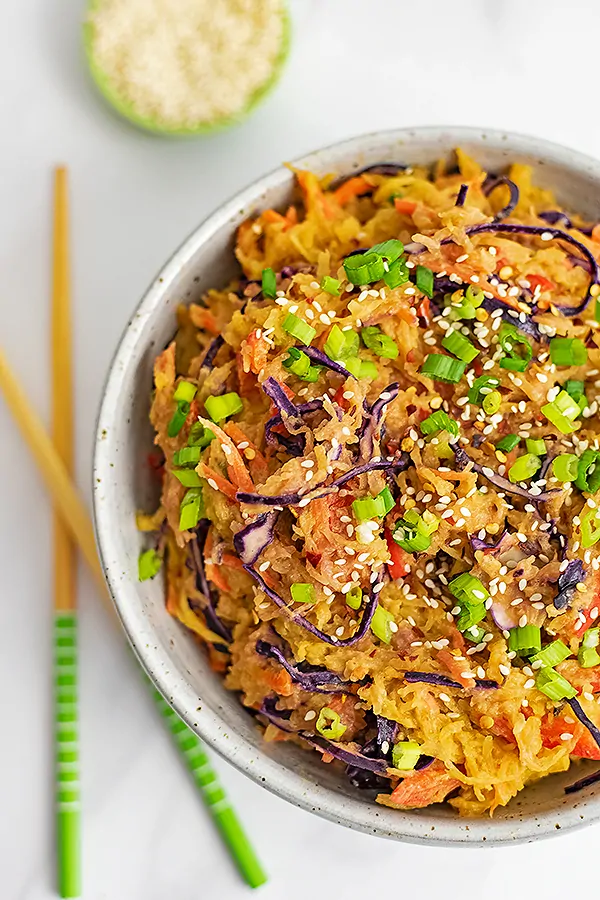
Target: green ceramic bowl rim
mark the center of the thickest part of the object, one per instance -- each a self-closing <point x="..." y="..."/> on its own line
<point x="127" y="109"/>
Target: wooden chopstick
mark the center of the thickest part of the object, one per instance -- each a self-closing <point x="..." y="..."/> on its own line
<point x="68" y="810"/>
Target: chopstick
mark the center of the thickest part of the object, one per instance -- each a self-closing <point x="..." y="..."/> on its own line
<point x="68" y="501"/>
<point x="68" y="810"/>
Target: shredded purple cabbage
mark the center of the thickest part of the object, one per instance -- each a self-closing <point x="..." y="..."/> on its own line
<point x="463" y="459"/>
<point x="584" y="782"/>
<point x="273" y="389"/>
<point x="396" y="463"/>
<point x="445" y="681"/>
<point x="293" y="444"/>
<point x="503" y="617"/>
<point x="462" y="195"/>
<point x="494" y="181"/>
<point x="372" y="420"/>
<point x="557" y="234"/>
<point x="321" y="359"/>
<point x="197" y="558"/>
<point x="567" y="583"/>
<point x="344" y="752"/>
<point x="556" y="217"/>
<point x="298" y="619"/>
<point x="320" y="680"/>
<point x="252" y="540"/>
<point x="387" y="731"/>
<point x="478" y="544"/>
<point x="577" y="709"/>
<point x="213" y="348"/>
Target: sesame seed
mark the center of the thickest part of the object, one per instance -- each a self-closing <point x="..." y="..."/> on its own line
<point x="213" y="484"/>
<point x="504" y="670"/>
<point x="529" y="684"/>
<point x="307" y="463"/>
<point x="310" y="715"/>
<point x="546" y="236"/>
<point x="566" y="736"/>
<point x="445" y="698"/>
<point x="264" y="566"/>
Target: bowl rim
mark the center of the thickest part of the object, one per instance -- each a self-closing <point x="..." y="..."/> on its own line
<point x="267" y="772"/>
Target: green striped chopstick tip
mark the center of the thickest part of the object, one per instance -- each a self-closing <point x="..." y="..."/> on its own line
<point x="68" y="811"/>
<point x="214" y="795"/>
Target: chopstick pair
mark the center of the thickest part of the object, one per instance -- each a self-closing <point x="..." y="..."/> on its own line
<point x="72" y="527"/>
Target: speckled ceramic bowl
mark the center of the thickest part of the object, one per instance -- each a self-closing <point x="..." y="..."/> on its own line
<point x="122" y="485"/>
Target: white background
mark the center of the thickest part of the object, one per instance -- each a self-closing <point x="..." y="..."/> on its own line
<point x="525" y="65"/>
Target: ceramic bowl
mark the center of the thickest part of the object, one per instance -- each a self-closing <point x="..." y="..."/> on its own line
<point x="122" y="484"/>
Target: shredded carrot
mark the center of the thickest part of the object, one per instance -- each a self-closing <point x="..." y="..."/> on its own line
<point x="354" y="187"/>
<point x="273" y="217"/>
<point x="258" y="463"/>
<point x="232" y="562"/>
<point x="213" y="574"/>
<point x="206" y="321"/>
<point x="237" y="471"/>
<point x="313" y="195"/>
<point x="221" y="483"/>
<point x="459" y="668"/>
<point x="255" y="352"/>
<point x="291" y="216"/>
<point x="406" y="207"/>
<point x="279" y="681"/>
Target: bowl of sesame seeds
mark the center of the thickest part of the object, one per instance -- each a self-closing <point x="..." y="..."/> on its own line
<point x="367" y="568"/>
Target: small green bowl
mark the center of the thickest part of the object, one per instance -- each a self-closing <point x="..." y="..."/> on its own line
<point x="127" y="110"/>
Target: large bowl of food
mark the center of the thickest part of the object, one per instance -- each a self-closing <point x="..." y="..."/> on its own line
<point x="345" y="484"/>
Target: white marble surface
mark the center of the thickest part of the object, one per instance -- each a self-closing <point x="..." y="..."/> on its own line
<point x="355" y="66"/>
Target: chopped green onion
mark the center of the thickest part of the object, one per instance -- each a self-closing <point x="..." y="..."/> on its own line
<point x="390" y="250"/>
<point x="269" y="283"/>
<point x="474" y="295"/>
<point x="525" y="639"/>
<point x="405" y="755"/>
<point x="517" y="348"/>
<point x="412" y="533"/>
<point x="361" y="368"/>
<point x="482" y="385"/>
<point x="565" y="467"/>
<point x="439" y="421"/>
<point x="588" y="471"/>
<point x="298" y="328"/>
<point x="475" y="633"/>
<point x="365" y="508"/>
<point x="364" y="268"/>
<point x="341" y="344"/>
<point x="381" y="624"/>
<point x="331" y="285"/>
<point x="508" y="443"/>
<point x="354" y="597"/>
<point x="568" y="351"/>
<point x="591" y="637"/>
<point x="588" y="655"/>
<point x="491" y="403"/>
<point x="589" y="526"/>
<point x="574" y="389"/>
<point x="191" y="509"/>
<point x="185" y="392"/>
<point x="222" y="406"/>
<point x="524" y="467"/>
<point x="470" y="616"/>
<point x="460" y="346"/>
<point x="199" y="436"/>
<point x="552" y="654"/>
<point x="329" y="724"/>
<point x="562" y="412"/>
<point x="187" y="456"/>
<point x="382" y="345"/>
<point x="443" y="368"/>
<point x="149" y="564"/>
<point x="187" y="477"/>
<point x="424" y="280"/>
<point x="178" y="420"/>
<point x="385" y="496"/>
<point x="553" y="685"/>
<point x="468" y="589"/>
<point x="537" y="446"/>
<point x="597" y="311"/>
<point x="303" y="593"/>
<point x="396" y="274"/>
<point x="297" y="362"/>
